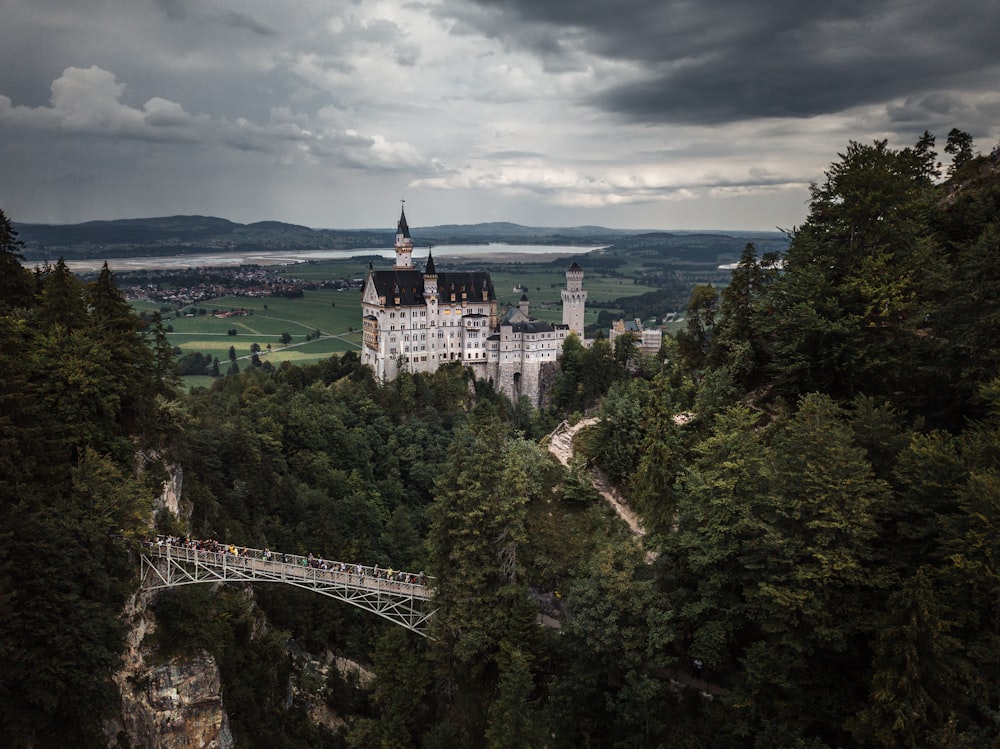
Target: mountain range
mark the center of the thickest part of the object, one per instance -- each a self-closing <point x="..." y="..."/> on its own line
<point x="176" y="235"/>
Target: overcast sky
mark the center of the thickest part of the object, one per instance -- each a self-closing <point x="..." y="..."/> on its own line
<point x="657" y="114"/>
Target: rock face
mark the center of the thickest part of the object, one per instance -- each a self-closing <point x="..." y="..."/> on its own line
<point x="177" y="706"/>
<point x="171" y="497"/>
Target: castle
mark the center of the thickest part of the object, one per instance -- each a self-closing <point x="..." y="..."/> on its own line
<point x="416" y="322"/>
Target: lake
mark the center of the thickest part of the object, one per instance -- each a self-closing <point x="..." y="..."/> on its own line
<point x="493" y="250"/>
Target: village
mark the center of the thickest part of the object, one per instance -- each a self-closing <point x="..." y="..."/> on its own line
<point x="178" y="288"/>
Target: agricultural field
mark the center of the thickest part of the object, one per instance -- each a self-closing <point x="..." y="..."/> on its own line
<point x="328" y="321"/>
<point x="335" y="315"/>
<point x="544" y="283"/>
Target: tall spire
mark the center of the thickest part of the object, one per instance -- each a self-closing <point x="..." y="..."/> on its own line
<point x="401" y="228"/>
<point x="429" y="269"/>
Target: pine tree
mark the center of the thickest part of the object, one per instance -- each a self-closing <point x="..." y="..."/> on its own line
<point x="16" y="283"/>
<point x="477" y="530"/>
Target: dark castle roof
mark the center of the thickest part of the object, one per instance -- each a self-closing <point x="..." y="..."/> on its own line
<point x="401" y="227"/>
<point x="534" y="326"/>
<point x="408" y="286"/>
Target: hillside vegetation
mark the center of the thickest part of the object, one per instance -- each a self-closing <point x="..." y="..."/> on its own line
<point x="815" y="458"/>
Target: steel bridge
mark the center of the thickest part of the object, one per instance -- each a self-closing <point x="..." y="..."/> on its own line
<point x="405" y="599"/>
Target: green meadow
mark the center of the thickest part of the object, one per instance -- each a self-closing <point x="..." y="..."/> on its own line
<point x="334" y="314"/>
<point x="337" y="314"/>
<point x="544" y="283"/>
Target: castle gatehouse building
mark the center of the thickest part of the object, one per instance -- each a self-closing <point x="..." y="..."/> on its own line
<point x="417" y="321"/>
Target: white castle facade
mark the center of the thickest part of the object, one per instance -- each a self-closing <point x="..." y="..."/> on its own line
<point x="418" y="321"/>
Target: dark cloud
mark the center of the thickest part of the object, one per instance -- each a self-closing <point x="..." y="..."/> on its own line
<point x="312" y="111"/>
<point x="244" y="21"/>
<point x="720" y="61"/>
<point x="175" y="10"/>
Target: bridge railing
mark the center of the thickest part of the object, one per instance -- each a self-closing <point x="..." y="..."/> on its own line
<point x="291" y="565"/>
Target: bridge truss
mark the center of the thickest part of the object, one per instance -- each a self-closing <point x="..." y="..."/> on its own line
<point x="404" y="598"/>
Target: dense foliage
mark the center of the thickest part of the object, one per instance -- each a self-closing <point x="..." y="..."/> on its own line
<point x="83" y="392"/>
<point x="816" y="459"/>
<point x="819" y="466"/>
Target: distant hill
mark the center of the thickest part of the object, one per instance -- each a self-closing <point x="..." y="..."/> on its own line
<point x="179" y="235"/>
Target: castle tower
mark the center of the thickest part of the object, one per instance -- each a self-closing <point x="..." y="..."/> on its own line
<point x="430" y="278"/>
<point x="574" y="299"/>
<point x="431" y="290"/>
<point x="404" y="245"/>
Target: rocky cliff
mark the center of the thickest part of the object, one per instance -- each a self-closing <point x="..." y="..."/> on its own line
<point x="174" y="705"/>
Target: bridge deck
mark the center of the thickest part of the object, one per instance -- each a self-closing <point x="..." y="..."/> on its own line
<point x="402" y="598"/>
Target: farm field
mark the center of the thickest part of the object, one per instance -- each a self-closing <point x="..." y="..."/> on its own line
<point x="544" y="283"/>
<point x="334" y="314"/>
<point x="331" y="319"/>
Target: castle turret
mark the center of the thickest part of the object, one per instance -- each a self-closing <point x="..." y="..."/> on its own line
<point x="523" y="305"/>
<point x="404" y="245"/>
<point x="574" y="299"/>
<point x="430" y="281"/>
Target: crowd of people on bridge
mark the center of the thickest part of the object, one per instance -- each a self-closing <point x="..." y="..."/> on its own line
<point x="245" y="554"/>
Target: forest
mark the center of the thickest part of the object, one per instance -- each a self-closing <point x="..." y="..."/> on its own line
<point x="815" y="459"/>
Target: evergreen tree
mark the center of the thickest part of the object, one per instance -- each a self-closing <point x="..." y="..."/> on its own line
<point x="514" y="718"/>
<point x="614" y="638"/>
<point x="68" y="494"/>
<point x="816" y="584"/>
<point x="477" y="529"/>
<point x="16" y="284"/>
<point x="695" y="342"/>
<point x="960" y="147"/>
<point x="61" y="302"/>
<point x="844" y="317"/>
<point x="737" y="342"/>
<point x="568" y="392"/>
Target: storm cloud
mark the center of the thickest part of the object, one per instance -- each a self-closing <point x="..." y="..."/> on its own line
<point x="642" y="114"/>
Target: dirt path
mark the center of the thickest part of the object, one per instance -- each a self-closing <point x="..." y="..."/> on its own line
<point x="561" y="445"/>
